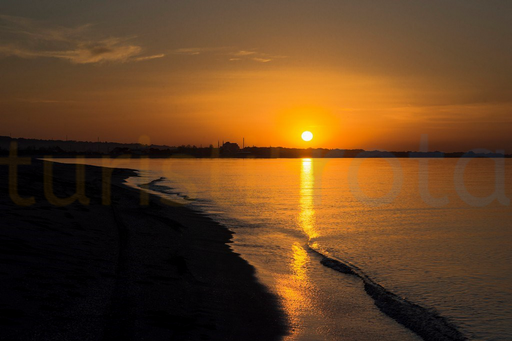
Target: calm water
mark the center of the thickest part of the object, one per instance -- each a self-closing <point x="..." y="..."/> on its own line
<point x="437" y="232"/>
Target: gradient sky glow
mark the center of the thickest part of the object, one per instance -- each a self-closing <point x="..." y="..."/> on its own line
<point x="357" y="74"/>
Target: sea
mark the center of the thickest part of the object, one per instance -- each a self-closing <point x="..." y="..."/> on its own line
<point x="435" y="232"/>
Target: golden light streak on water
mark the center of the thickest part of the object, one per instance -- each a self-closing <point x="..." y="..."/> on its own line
<point x="297" y="291"/>
<point x="296" y="288"/>
<point x="307" y="210"/>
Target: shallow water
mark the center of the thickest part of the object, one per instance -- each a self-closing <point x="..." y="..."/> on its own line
<point x="422" y="228"/>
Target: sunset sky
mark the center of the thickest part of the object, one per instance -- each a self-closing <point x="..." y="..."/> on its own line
<point x="358" y="74"/>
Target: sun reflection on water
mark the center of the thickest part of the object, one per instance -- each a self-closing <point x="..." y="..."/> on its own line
<point x="307" y="210"/>
<point x="296" y="291"/>
<point x="299" y="263"/>
<point x="296" y="288"/>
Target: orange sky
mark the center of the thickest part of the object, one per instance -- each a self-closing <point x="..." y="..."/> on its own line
<point x="357" y="74"/>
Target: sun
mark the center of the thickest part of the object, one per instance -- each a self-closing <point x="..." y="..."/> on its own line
<point x="307" y="136"/>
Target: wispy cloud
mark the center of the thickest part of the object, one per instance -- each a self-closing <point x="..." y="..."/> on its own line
<point x="243" y="53"/>
<point x="27" y="38"/>
<point x="140" y="59"/>
<point x="194" y="51"/>
<point x="230" y="53"/>
<point x="253" y="55"/>
<point x="262" y="60"/>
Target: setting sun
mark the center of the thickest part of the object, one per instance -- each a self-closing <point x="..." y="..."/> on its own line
<point x="307" y="136"/>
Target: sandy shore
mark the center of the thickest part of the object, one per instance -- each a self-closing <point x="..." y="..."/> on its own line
<point x="121" y="271"/>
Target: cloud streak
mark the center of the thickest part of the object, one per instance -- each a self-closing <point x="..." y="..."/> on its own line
<point x="27" y="38"/>
<point x="140" y="59"/>
<point x="230" y="53"/>
<point x="195" y="51"/>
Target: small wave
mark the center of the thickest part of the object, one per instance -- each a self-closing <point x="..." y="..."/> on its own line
<point x="154" y="186"/>
<point x="426" y="323"/>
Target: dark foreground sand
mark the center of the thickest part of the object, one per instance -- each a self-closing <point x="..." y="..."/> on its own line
<point x="121" y="271"/>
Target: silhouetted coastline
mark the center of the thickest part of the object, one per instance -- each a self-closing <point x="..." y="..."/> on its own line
<point x="60" y="148"/>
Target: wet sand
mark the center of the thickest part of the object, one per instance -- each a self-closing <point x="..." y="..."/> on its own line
<point x="121" y="271"/>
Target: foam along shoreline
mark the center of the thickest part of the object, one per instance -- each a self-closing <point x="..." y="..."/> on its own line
<point x="121" y="270"/>
<point x="154" y="186"/>
<point x="426" y="323"/>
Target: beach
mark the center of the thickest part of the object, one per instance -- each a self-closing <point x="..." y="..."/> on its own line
<point x="206" y="251"/>
<point x="123" y="270"/>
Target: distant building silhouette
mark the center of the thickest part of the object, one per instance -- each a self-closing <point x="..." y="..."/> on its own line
<point x="229" y="149"/>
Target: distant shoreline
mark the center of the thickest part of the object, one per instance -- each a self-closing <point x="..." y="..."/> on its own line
<point x="59" y="148"/>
